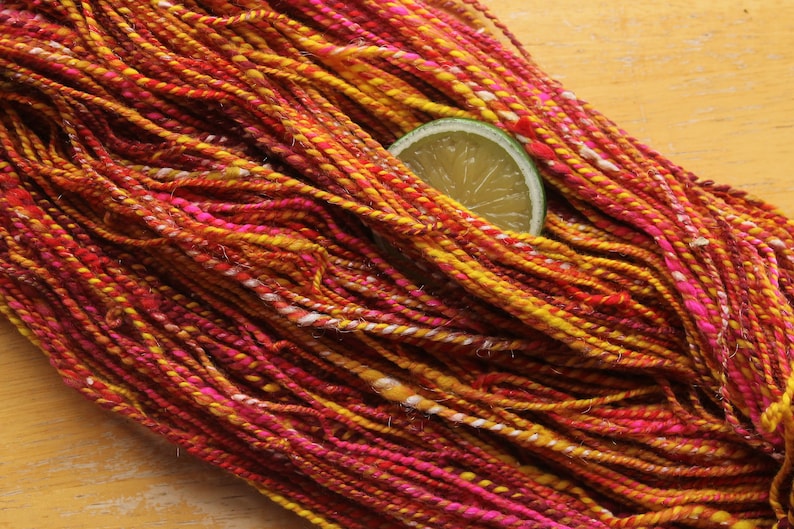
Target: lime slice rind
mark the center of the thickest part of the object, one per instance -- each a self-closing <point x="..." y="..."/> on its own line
<point x="481" y="167"/>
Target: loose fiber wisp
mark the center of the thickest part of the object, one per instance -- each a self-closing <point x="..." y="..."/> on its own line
<point x="202" y="229"/>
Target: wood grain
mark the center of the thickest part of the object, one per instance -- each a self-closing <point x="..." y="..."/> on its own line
<point x="708" y="83"/>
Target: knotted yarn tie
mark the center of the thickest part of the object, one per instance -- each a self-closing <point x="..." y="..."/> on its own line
<point x="203" y="229"/>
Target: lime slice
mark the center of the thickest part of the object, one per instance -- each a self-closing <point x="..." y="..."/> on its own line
<point x="481" y="167"/>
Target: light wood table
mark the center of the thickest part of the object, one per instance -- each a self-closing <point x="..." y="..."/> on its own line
<point x="708" y="83"/>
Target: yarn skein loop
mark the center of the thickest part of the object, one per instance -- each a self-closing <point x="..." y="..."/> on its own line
<point x="191" y="199"/>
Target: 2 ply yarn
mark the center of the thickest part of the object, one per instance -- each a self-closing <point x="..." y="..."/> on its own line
<point x="189" y="194"/>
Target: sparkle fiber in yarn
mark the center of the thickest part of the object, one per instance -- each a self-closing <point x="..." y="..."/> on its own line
<point x="187" y="206"/>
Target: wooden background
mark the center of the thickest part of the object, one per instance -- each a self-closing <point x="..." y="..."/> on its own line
<point x="708" y="83"/>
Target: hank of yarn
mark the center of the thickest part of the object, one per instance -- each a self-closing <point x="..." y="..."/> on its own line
<point x="201" y="227"/>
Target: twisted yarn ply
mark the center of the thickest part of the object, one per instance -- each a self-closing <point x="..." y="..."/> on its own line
<point x="201" y="227"/>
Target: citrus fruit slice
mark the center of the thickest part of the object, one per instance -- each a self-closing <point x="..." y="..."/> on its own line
<point x="481" y="167"/>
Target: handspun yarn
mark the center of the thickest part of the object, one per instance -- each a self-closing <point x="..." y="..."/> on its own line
<point x="202" y="229"/>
